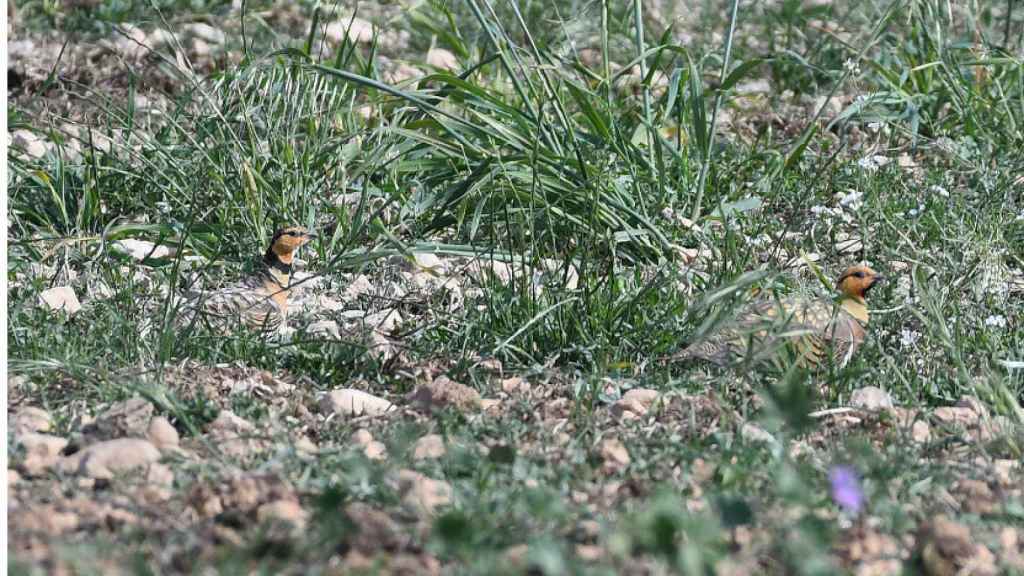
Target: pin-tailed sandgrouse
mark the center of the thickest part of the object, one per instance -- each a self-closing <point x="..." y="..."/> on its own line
<point x="259" y="300"/>
<point x="812" y="328"/>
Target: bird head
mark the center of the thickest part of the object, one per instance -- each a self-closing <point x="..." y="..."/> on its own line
<point x="857" y="280"/>
<point x="288" y="240"/>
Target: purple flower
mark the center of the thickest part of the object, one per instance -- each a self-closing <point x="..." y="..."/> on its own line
<point x="846" y="490"/>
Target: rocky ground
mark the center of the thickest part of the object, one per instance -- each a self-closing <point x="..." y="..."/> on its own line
<point x="362" y="441"/>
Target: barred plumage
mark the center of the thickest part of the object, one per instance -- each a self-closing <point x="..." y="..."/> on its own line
<point x="259" y="301"/>
<point x="812" y="328"/>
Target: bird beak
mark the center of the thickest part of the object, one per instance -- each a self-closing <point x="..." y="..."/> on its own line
<point x="311" y="235"/>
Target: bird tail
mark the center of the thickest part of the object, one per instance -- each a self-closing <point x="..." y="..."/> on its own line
<point x="687" y="353"/>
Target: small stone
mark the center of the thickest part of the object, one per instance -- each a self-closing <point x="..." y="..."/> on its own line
<point x="956" y="415"/>
<point x="44" y="520"/>
<point x="15" y="382"/>
<point x="152" y="494"/>
<point x="128" y="418"/>
<point x="1003" y="471"/>
<point x="645" y="396"/>
<point x="977" y="496"/>
<point x="615" y="455"/>
<point x="205" y="501"/>
<point x="352" y="402"/>
<point x="378" y="346"/>
<point x="141" y="249"/>
<point x="946" y="547"/>
<point x="485" y="270"/>
<point x="161" y="37"/>
<point x="871" y="399"/>
<point x="235" y="436"/>
<point x="376" y="529"/>
<point x="402" y="73"/>
<point x="160" y="475"/>
<point x="42" y="452"/>
<point x="162" y="434"/>
<point x="628" y="409"/>
<point x="288" y="511"/>
<point x="635" y="403"/>
<point x="326" y="327"/>
<point x="589" y="552"/>
<point x="305" y="446"/>
<point x="832" y="106"/>
<point x="421" y="493"/>
<point x="247" y="492"/>
<point x="105" y="460"/>
<point x="384" y="321"/>
<point x="30" y="142"/>
<point x="373" y="449"/>
<point x="920" y="432"/>
<point x="205" y="32"/>
<point x="428" y="447"/>
<point x="61" y="298"/>
<point x="846" y="244"/>
<point x="362" y="437"/>
<point x="31" y="419"/>
<point x="515" y="385"/>
<point x="357" y="30"/>
<point x="12" y="478"/>
<point x="429" y="262"/>
<point x="330" y="304"/>
<point x="360" y="286"/>
<point x="441" y="58"/>
<point x="200" y="48"/>
<point x="444" y="393"/>
<point x="755" y="434"/>
<point x="491" y="406"/>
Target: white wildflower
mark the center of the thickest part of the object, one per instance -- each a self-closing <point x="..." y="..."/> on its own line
<point x="909" y="337"/>
<point x="872" y="163"/>
<point x="852" y="199"/>
<point x="996" y="321"/>
<point x="915" y="212"/>
<point x="851" y="66"/>
<point x="758" y="241"/>
<point x="867" y="163"/>
<point x="936" y="189"/>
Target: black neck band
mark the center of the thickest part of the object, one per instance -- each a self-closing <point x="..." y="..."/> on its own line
<point x="274" y="262"/>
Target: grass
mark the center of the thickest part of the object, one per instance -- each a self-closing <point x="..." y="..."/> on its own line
<point x="564" y="150"/>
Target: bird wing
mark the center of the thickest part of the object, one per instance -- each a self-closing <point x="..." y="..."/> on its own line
<point x="808" y="326"/>
<point x="250" y="302"/>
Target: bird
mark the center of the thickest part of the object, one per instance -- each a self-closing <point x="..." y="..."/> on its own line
<point x="260" y="300"/>
<point x="813" y="327"/>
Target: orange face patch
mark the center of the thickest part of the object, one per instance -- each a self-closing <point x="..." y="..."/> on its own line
<point x="857" y="280"/>
<point x="288" y="240"/>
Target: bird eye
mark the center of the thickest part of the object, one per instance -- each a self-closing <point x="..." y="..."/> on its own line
<point x="858" y="274"/>
<point x="293" y="233"/>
